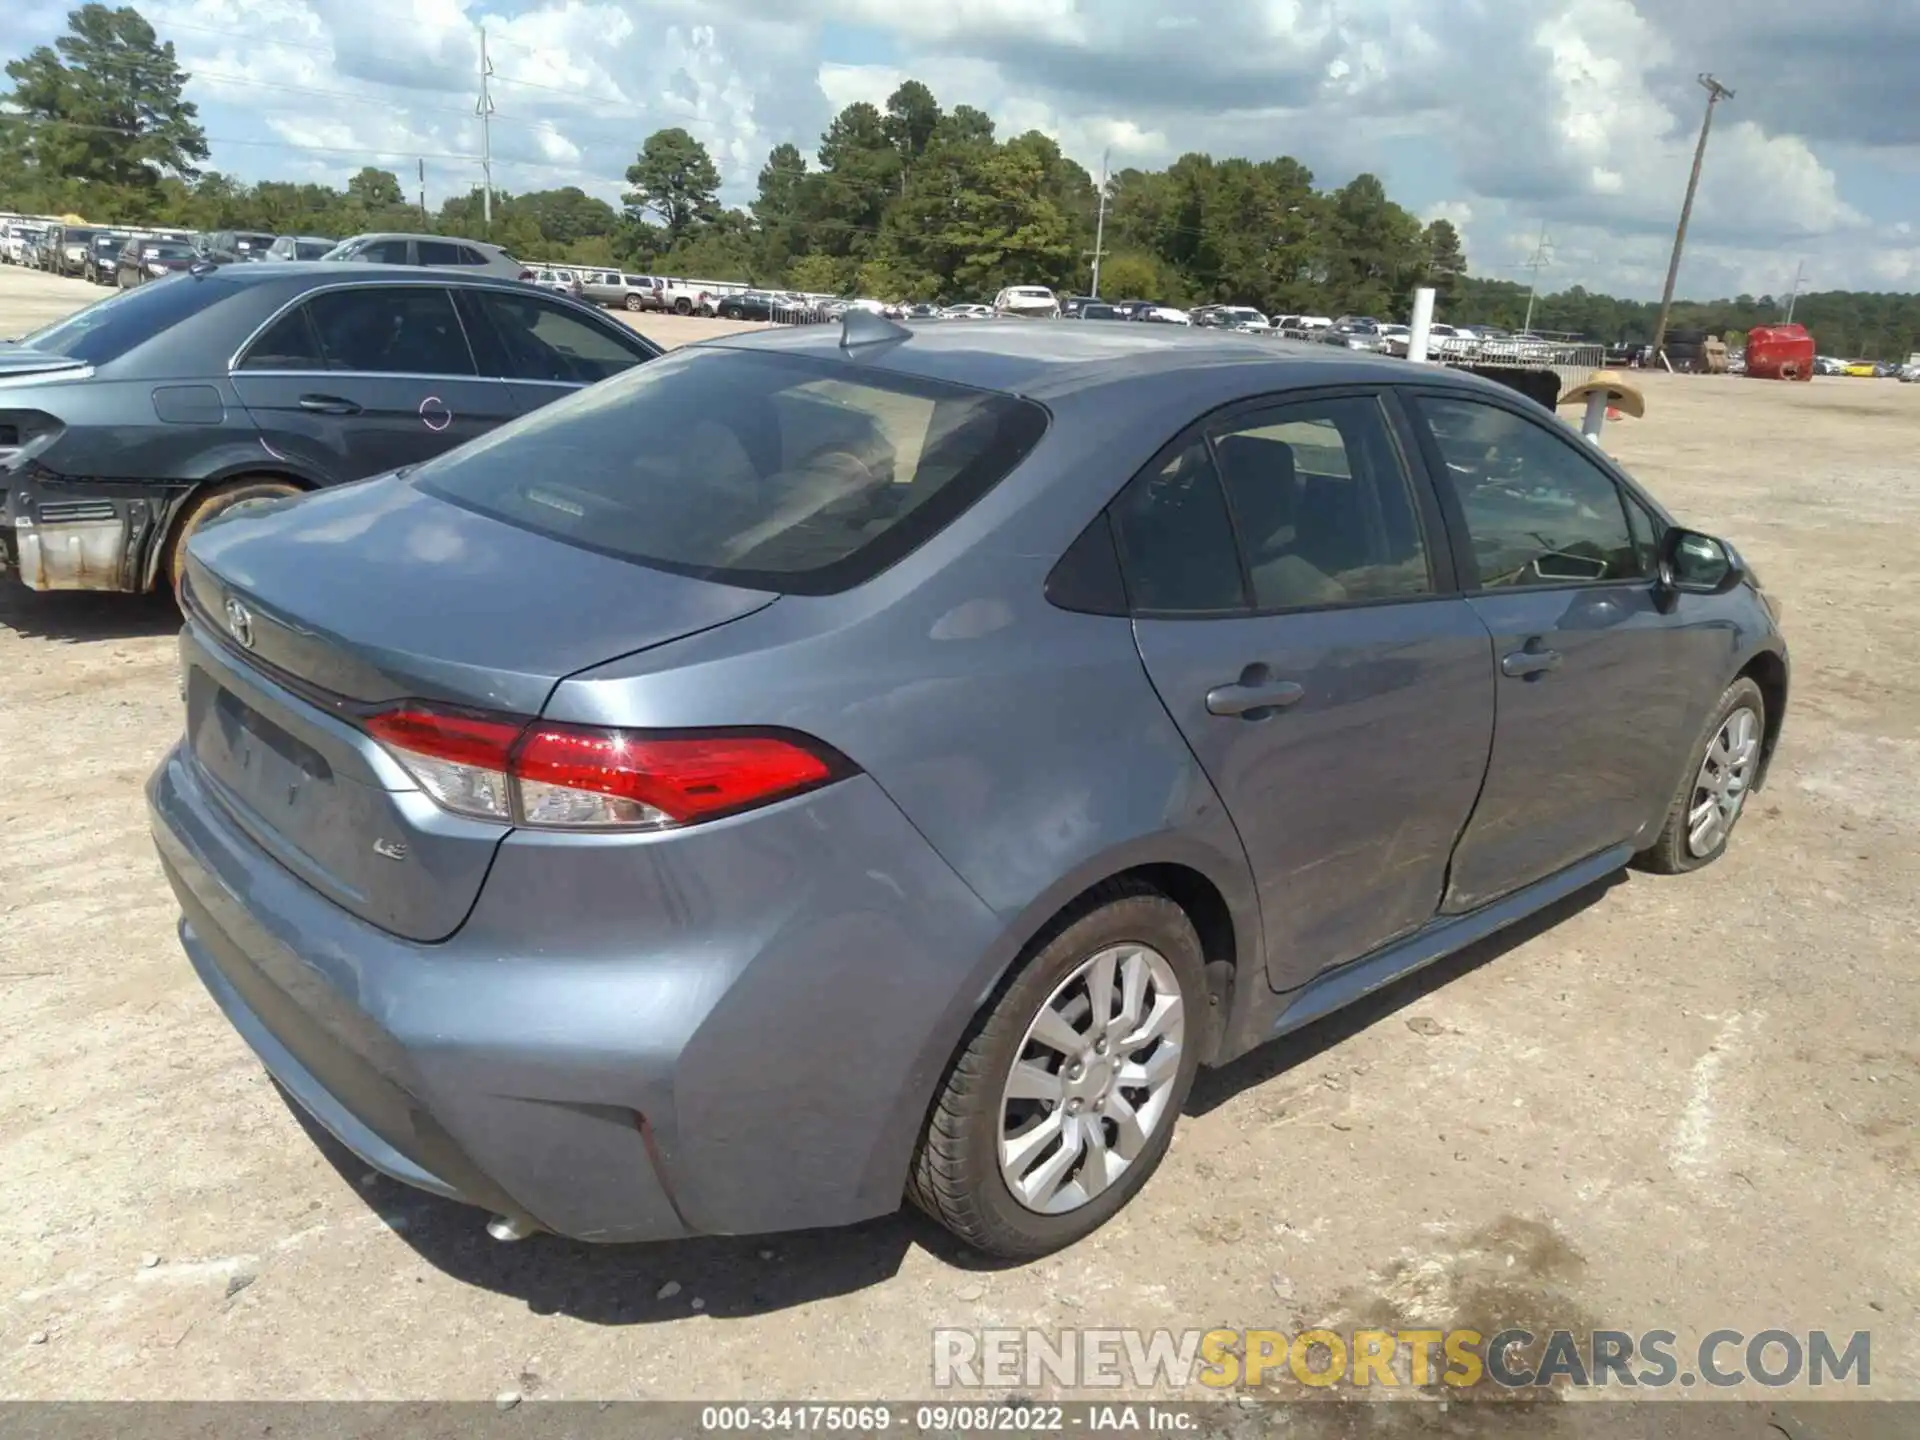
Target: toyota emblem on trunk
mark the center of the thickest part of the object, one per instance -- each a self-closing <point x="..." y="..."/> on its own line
<point x="240" y="622"/>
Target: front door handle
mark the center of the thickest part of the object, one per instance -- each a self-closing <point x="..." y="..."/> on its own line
<point x="1524" y="663"/>
<point x="1252" y="699"/>
<point x="329" y="405"/>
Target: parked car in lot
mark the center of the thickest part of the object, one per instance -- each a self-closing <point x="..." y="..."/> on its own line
<point x="622" y="291"/>
<point x="1028" y="302"/>
<point x="68" y="248"/>
<point x="985" y="312"/>
<point x="142" y="260"/>
<point x="561" y="280"/>
<point x="475" y="257"/>
<point x="21" y="238"/>
<point x="129" y="425"/>
<point x="815" y="766"/>
<point x="1096" y="310"/>
<point x="231" y="247"/>
<point x="103" y="257"/>
<point x="299" y="247"/>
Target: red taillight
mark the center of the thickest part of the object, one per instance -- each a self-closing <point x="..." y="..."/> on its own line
<point x="526" y="275"/>
<point x="534" y="773"/>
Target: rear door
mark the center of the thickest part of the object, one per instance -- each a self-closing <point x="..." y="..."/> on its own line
<point x="1595" y="683"/>
<point x="1294" y="607"/>
<point x="546" y="347"/>
<point x="357" y="380"/>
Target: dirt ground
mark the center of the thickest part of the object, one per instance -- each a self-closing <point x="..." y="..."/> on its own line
<point x="1683" y="1103"/>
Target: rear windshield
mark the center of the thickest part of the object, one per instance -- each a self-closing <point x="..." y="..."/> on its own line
<point x="769" y="471"/>
<point x="109" y="328"/>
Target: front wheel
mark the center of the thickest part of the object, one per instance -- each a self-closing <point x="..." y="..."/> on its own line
<point x="1063" y="1100"/>
<point x="1719" y="776"/>
<point x="634" y="303"/>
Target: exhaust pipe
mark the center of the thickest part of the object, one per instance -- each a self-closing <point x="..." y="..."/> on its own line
<point x="508" y="1228"/>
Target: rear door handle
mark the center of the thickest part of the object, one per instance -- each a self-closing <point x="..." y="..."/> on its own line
<point x="1246" y="698"/>
<point x="1523" y="663"/>
<point x="329" y="405"/>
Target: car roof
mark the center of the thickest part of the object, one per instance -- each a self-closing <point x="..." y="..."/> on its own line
<point x="334" y="272"/>
<point x="1046" y="359"/>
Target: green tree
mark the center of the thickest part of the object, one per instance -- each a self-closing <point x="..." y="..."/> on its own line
<point x="1446" y="263"/>
<point x="912" y="117"/>
<point x="376" y="189"/>
<point x="675" y="179"/>
<point x="859" y="178"/>
<point x="100" y="112"/>
<point x="818" y="275"/>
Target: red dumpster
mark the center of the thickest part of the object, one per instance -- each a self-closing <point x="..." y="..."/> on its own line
<point x="1780" y="352"/>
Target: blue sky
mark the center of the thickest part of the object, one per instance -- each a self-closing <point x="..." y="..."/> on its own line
<point x="1506" y="116"/>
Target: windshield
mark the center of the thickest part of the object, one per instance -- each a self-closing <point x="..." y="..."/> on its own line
<point x="109" y="328"/>
<point x="773" y="472"/>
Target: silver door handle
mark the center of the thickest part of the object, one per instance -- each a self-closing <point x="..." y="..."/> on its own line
<point x="1523" y="663"/>
<point x="1238" y="699"/>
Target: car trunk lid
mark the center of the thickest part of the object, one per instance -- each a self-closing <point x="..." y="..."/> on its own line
<point x="310" y="615"/>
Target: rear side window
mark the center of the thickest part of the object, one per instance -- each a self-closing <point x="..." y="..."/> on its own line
<point x="774" y="472"/>
<point x="399" y="330"/>
<point x="1323" y="509"/>
<point x="540" y="340"/>
<point x="470" y="256"/>
<point x="438" y="252"/>
<point x="289" y="344"/>
<point x="1176" y="540"/>
<point x="108" y="329"/>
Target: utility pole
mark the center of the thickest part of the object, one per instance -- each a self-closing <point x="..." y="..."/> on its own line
<point x="423" y="192"/>
<point x="1799" y="274"/>
<point x="1100" y="223"/>
<point x="1541" y="258"/>
<point x="484" y="109"/>
<point x="1716" y="92"/>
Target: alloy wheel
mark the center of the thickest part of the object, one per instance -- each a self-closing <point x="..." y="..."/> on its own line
<point x="1093" y="1079"/>
<point x="1720" y="789"/>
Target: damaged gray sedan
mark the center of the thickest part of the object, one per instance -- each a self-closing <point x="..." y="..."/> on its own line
<point x="128" y="425"/>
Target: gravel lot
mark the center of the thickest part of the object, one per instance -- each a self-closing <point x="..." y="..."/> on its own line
<point x="1689" y="1103"/>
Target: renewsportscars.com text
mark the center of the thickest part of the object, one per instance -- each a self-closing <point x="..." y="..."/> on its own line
<point x="1512" y="1358"/>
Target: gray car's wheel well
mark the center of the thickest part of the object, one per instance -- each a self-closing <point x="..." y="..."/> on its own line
<point x="1205" y="907"/>
<point x="1769" y="672"/>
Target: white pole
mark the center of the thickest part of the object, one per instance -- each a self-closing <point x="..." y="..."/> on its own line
<point x="1596" y="415"/>
<point x="1422" y="323"/>
<point x="1100" y="225"/>
<point x="484" y="109"/>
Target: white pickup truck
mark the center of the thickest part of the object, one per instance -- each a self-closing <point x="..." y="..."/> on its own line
<point x="699" y="297"/>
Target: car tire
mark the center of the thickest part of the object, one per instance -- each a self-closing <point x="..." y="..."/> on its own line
<point x="1721" y="766"/>
<point x="683" y="307"/>
<point x="634" y="303"/>
<point x="959" y="1175"/>
<point x="215" y="500"/>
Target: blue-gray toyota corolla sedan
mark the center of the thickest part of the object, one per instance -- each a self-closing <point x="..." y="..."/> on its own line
<point x="827" y="765"/>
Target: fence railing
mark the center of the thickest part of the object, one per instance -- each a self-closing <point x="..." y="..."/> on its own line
<point x="1571" y="361"/>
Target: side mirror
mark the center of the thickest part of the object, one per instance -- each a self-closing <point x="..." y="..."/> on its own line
<point x="1695" y="564"/>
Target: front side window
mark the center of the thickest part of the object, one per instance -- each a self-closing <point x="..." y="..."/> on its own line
<point x="1538" y="511"/>
<point x="1176" y="539"/>
<point x="383" y="252"/>
<point x="1322" y="505"/>
<point x="769" y="471"/>
<point x="543" y="341"/>
<point x="399" y="330"/>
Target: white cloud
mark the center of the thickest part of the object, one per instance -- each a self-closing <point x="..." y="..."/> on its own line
<point x="1501" y="115"/>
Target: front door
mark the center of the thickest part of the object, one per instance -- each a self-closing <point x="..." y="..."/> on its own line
<point x="1592" y="688"/>
<point x="360" y="380"/>
<point x="1292" y="605"/>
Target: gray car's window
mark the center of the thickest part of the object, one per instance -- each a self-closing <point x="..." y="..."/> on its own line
<point x="1538" y="512"/>
<point x="542" y="341"/>
<point x="1176" y="541"/>
<point x="774" y="472"/>
<point x="383" y="252"/>
<point x="470" y="256"/>
<point x="109" y="328"/>
<point x="1322" y="505"/>
<point x="1646" y="534"/>
<point x="288" y="344"/>
<point x="400" y="330"/>
<point x="438" y="252"/>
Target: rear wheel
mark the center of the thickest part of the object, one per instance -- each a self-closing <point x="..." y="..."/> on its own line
<point x="1063" y="1100"/>
<point x="633" y="303"/>
<point x="203" y="507"/>
<point x="683" y="306"/>
<point x="1719" y="776"/>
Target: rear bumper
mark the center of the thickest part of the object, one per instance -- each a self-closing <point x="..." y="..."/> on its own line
<point x="731" y="1031"/>
<point x="76" y="535"/>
